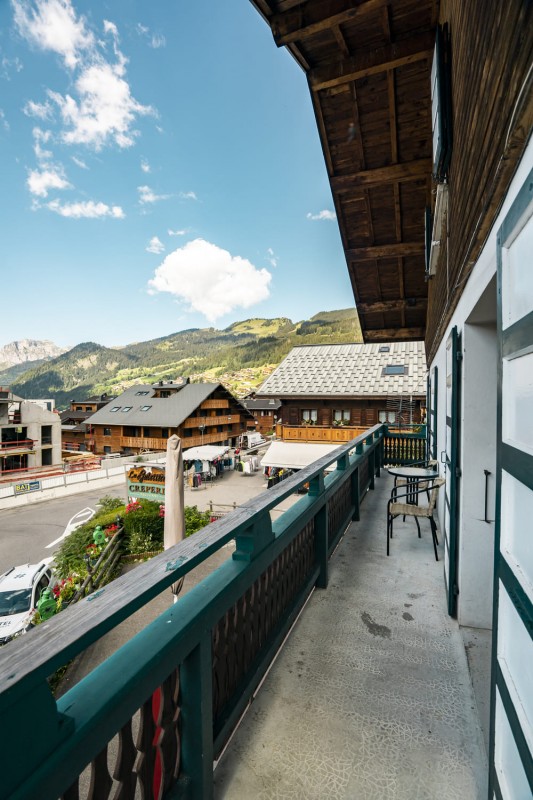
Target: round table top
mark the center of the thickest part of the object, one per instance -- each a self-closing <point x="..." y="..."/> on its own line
<point x="414" y="472"/>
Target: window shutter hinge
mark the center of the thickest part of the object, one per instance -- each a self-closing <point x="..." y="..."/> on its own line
<point x="455" y="590"/>
<point x="459" y="355"/>
<point x="458" y="472"/>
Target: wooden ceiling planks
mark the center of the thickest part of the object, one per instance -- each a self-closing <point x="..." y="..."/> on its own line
<point x="368" y="65"/>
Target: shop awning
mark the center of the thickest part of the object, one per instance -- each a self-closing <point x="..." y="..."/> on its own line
<point x="295" y="455"/>
<point x="206" y="452"/>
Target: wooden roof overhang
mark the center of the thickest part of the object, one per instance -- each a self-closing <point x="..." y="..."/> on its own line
<point x="368" y="65"/>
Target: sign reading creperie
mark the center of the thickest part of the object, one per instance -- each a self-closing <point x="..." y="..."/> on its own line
<point x="147" y="482"/>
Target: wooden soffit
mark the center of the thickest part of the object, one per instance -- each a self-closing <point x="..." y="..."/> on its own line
<point x="368" y="64"/>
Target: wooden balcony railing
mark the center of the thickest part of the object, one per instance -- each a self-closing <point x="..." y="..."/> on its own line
<point x="215" y="404"/>
<point x="144" y="442"/>
<point x="189" y="675"/>
<point x="318" y="433"/>
<point x="405" y="446"/>
<point x="195" y="422"/>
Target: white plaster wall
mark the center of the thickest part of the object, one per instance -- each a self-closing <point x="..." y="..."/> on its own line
<point x="476" y="540"/>
<point x="482" y="273"/>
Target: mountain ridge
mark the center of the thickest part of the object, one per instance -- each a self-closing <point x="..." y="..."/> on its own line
<point x="241" y="356"/>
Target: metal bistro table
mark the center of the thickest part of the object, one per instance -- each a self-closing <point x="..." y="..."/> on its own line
<point x="413" y="477"/>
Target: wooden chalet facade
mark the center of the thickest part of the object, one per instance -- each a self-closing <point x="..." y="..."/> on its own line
<point x="330" y="393"/>
<point x="425" y="113"/>
<point x="265" y="411"/>
<point x="144" y="416"/>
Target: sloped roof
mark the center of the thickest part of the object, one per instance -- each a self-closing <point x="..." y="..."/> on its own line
<point x="164" y="412"/>
<point x="349" y="370"/>
<point x="368" y="67"/>
<point x="261" y="404"/>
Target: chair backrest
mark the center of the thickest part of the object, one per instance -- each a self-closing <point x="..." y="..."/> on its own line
<point x="437" y="483"/>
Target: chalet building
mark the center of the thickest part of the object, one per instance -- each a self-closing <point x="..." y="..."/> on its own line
<point x="264" y="410"/>
<point x="30" y="433"/>
<point x="330" y="393"/>
<point x="424" y="111"/>
<point x="144" y="416"/>
<point x="73" y="427"/>
<point x="425" y="114"/>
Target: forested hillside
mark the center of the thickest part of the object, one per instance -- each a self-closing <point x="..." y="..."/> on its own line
<point x="240" y="356"/>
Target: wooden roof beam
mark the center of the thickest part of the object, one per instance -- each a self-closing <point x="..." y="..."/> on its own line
<point x="385" y="251"/>
<point x="393" y="334"/>
<point x="409" y="170"/>
<point x="371" y="62"/>
<point x="316" y="16"/>
<point x="384" y="306"/>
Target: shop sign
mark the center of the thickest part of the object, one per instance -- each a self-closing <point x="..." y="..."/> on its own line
<point x="29" y="486"/>
<point x="147" y="483"/>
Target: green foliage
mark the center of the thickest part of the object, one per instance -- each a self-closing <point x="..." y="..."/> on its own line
<point x="143" y="532"/>
<point x="110" y="503"/>
<point x="195" y="520"/>
<point x="70" y="556"/>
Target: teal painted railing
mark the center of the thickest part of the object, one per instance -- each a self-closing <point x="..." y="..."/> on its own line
<point x="407" y="446"/>
<point x="189" y="675"/>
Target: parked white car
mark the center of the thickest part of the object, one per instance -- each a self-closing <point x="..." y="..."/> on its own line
<point x="20" y="589"/>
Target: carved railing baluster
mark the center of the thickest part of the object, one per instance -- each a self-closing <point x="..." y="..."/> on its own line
<point x="124" y="772"/>
<point x="101" y="782"/>
<point x="168" y="740"/>
<point x="145" y="745"/>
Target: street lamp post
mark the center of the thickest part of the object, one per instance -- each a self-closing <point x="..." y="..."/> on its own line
<point x="202" y="429"/>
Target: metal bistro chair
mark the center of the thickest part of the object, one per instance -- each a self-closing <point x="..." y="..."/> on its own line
<point x="396" y="508"/>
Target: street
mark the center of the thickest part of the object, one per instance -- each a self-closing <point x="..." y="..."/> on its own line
<point x="26" y="532"/>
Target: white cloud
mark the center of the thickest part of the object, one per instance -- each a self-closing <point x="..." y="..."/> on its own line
<point x="210" y="279"/>
<point x="178" y="232"/>
<point x="272" y="257"/>
<point x="79" y="162"/>
<point x="3" y="120"/>
<point x="9" y="64"/>
<point x="52" y="25"/>
<point x="41" y="136"/>
<point x="100" y="110"/>
<point x="106" y="110"/>
<point x="157" y="41"/>
<point x="40" y="110"/>
<point x="155" y="245"/>
<point x="86" y="210"/>
<point x="188" y="196"/>
<point x="41" y="181"/>
<point x="145" y="166"/>
<point x="146" y="195"/>
<point x="325" y="214"/>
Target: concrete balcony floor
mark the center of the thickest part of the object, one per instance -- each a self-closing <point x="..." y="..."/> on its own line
<point x="370" y="698"/>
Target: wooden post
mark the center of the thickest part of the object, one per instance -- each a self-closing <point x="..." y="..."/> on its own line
<point x="196" y="679"/>
<point x="355" y="494"/>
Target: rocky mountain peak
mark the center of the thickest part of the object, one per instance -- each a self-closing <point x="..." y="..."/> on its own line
<point x="29" y="350"/>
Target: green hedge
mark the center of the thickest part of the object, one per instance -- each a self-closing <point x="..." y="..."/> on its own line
<point x="143" y="529"/>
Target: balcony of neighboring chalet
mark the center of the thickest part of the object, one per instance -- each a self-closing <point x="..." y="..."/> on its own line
<point x="308" y="664"/>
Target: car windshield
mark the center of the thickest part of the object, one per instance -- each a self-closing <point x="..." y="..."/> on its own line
<point x="14" y="602"/>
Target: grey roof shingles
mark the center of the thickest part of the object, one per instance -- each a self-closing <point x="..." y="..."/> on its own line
<point x="348" y="369"/>
<point x="165" y="412"/>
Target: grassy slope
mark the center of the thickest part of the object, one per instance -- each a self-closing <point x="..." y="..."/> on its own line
<point x="240" y="356"/>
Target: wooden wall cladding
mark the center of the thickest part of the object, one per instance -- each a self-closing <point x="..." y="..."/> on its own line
<point x="492" y="51"/>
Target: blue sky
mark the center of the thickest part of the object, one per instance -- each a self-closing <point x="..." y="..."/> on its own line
<point x="161" y="170"/>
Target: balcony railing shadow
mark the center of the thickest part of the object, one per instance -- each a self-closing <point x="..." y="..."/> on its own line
<point x="172" y="696"/>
